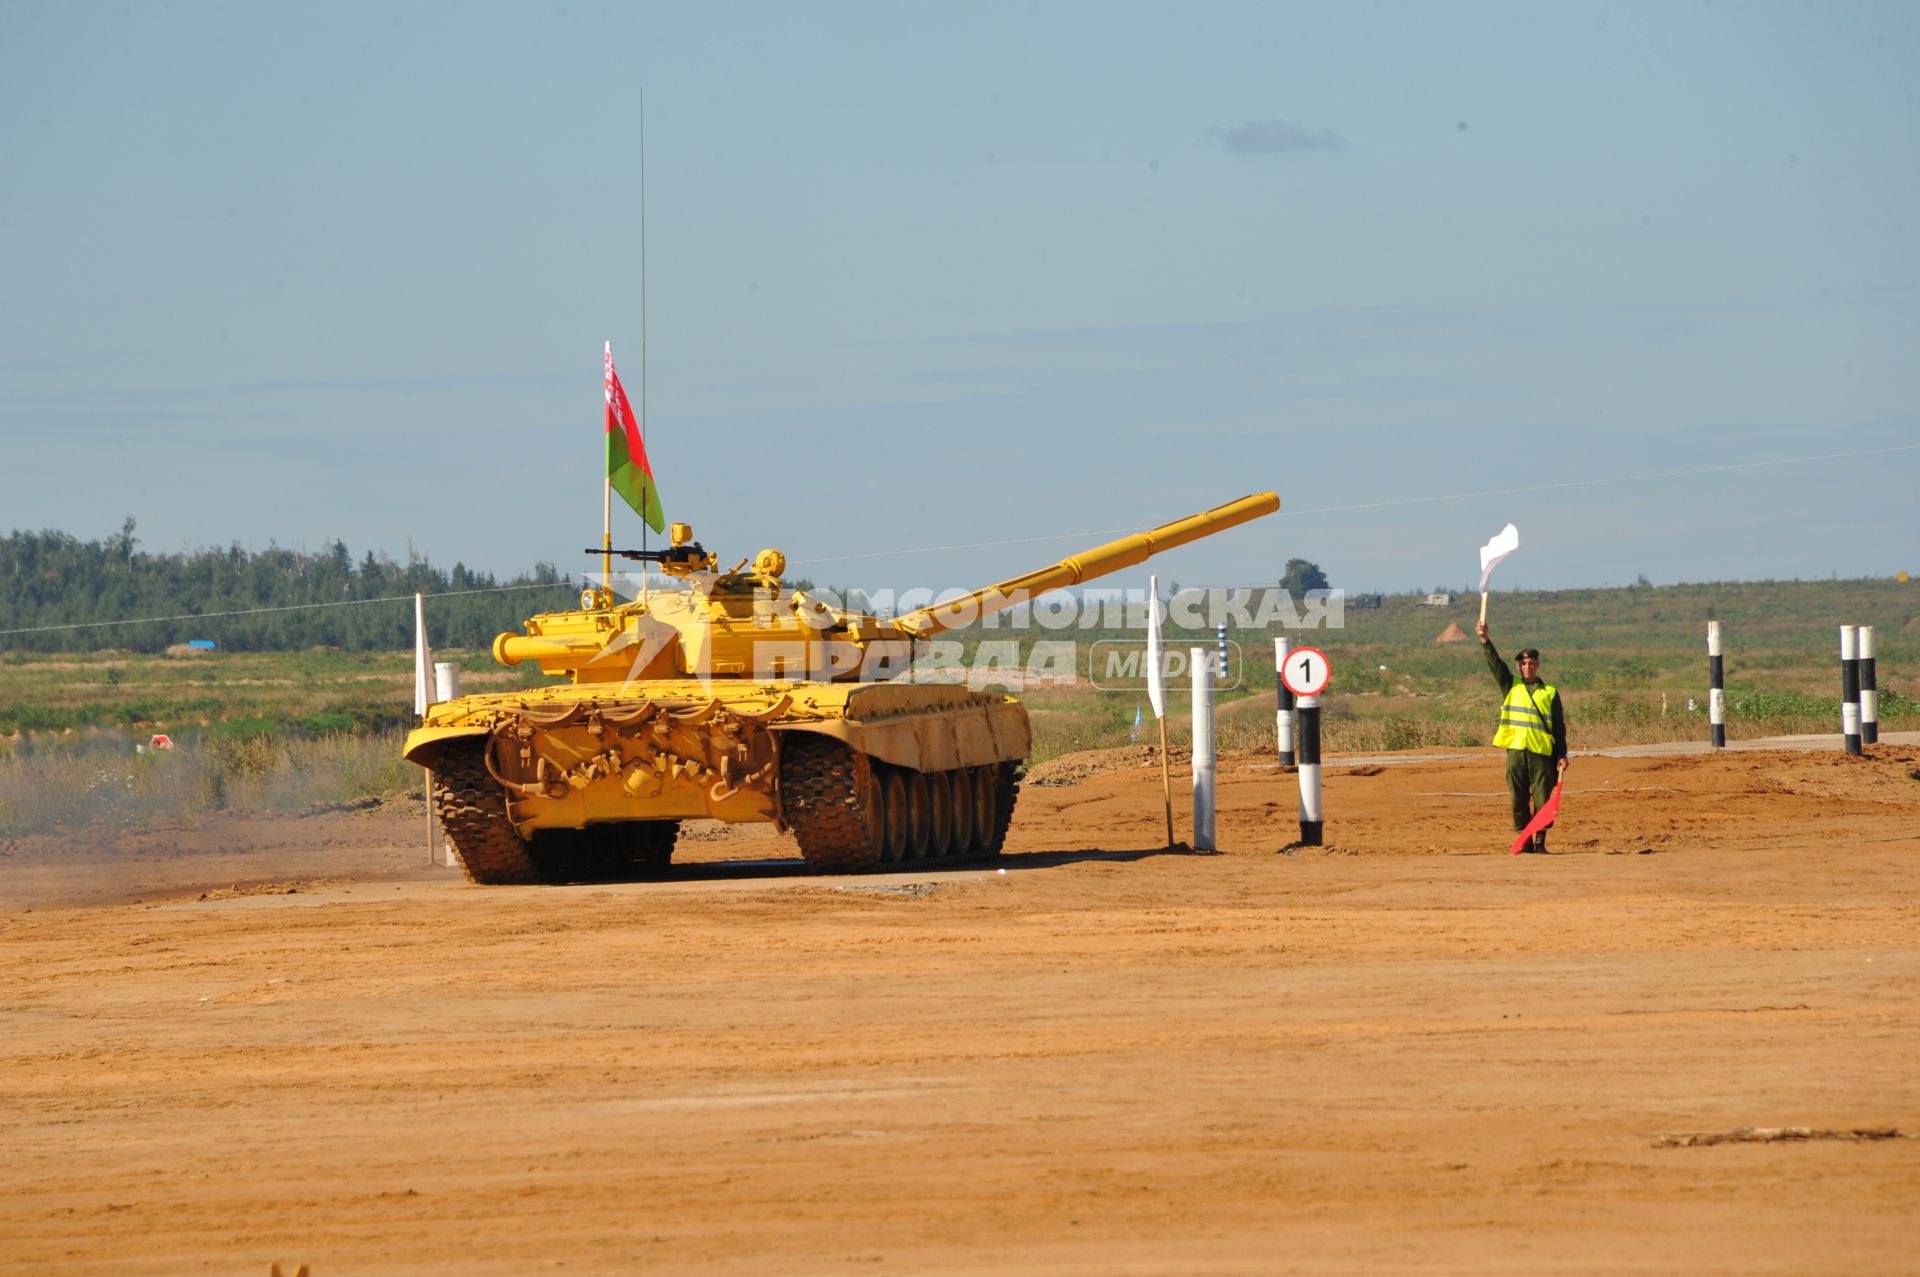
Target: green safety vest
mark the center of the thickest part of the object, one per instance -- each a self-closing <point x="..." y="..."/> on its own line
<point x="1526" y="719"/>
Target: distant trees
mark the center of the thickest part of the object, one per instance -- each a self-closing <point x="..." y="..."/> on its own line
<point x="1302" y="576"/>
<point x="54" y="579"/>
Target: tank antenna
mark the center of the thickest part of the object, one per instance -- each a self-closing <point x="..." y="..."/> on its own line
<point x="643" y="321"/>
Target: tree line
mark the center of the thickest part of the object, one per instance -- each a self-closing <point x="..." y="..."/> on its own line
<point x="52" y="578"/>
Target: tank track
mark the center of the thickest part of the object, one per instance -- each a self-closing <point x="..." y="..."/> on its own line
<point x="473" y="815"/>
<point x="834" y="801"/>
<point x="1006" y="794"/>
<point x="824" y="789"/>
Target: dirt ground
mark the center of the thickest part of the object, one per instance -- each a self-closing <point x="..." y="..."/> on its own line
<point x="1409" y="1052"/>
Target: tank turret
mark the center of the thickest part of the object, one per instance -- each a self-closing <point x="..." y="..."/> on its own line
<point x="742" y="624"/>
<point x="735" y="698"/>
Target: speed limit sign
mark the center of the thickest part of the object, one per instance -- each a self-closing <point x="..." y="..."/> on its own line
<point x="1306" y="671"/>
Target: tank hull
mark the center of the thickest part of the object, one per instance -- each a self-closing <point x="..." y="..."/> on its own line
<point x="576" y="755"/>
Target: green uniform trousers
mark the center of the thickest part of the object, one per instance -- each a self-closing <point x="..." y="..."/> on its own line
<point x="1530" y="782"/>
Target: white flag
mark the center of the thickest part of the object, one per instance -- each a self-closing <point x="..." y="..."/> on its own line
<point x="1495" y="550"/>
<point x="1156" y="685"/>
<point x="422" y="659"/>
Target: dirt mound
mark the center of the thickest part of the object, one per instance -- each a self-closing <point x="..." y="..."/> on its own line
<point x="1884" y="774"/>
<point x="1452" y="634"/>
<point x="1071" y="769"/>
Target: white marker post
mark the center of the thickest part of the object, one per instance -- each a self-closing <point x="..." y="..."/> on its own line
<point x="1283" y="717"/>
<point x="1869" y="693"/>
<point x="446" y="687"/>
<point x="1716" y="684"/>
<point x="1203" y="761"/>
<point x="1157" y="695"/>
<point x="1308" y="672"/>
<point x="423" y="690"/>
<point x="1850" y="688"/>
<point x="422" y="659"/>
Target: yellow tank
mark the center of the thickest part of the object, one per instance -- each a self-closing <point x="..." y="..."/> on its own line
<point x="733" y="698"/>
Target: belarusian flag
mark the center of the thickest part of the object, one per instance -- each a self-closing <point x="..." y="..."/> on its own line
<point x="627" y="470"/>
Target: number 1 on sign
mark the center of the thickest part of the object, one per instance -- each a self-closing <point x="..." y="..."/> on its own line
<point x="1307" y="672"/>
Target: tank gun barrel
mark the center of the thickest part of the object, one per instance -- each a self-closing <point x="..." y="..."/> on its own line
<point x="1100" y="561"/>
<point x="511" y="648"/>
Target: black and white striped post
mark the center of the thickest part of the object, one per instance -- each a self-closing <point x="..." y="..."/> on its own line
<point x="1203" y="760"/>
<point x="1869" y="695"/>
<point x="1284" y="718"/>
<point x="1850" y="688"/>
<point x="1223" y="653"/>
<point x="1312" y="822"/>
<point x="1716" y="687"/>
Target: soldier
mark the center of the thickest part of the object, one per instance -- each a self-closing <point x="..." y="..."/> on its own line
<point x="1533" y="731"/>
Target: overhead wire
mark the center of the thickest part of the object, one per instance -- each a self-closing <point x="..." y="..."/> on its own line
<point x="1402" y="501"/>
<point x="285" y="607"/>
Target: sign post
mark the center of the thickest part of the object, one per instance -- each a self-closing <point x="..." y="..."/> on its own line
<point x="1306" y="672"/>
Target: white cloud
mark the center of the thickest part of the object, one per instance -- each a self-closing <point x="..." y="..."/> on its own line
<point x="1276" y="137"/>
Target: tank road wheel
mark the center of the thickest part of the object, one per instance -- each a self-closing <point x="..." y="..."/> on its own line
<point x="828" y="796"/>
<point x="893" y="787"/>
<point x="939" y="815"/>
<point x="1006" y="792"/>
<point x="473" y="815"/>
<point x="959" y="783"/>
<point x="919" y="819"/>
<point x="986" y="814"/>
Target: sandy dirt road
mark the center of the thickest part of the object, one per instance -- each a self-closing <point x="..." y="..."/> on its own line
<point x="1410" y="1054"/>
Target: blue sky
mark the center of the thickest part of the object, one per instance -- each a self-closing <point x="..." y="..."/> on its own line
<point x="922" y="276"/>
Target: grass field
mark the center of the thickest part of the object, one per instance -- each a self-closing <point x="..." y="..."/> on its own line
<point x="281" y="731"/>
<point x="1627" y="660"/>
<point x="311" y="693"/>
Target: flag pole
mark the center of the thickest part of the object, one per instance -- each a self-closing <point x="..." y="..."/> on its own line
<point x="1166" y="779"/>
<point x="606" y="536"/>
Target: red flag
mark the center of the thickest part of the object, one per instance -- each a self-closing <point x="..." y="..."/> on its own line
<point x="627" y="468"/>
<point x="1541" y="819"/>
